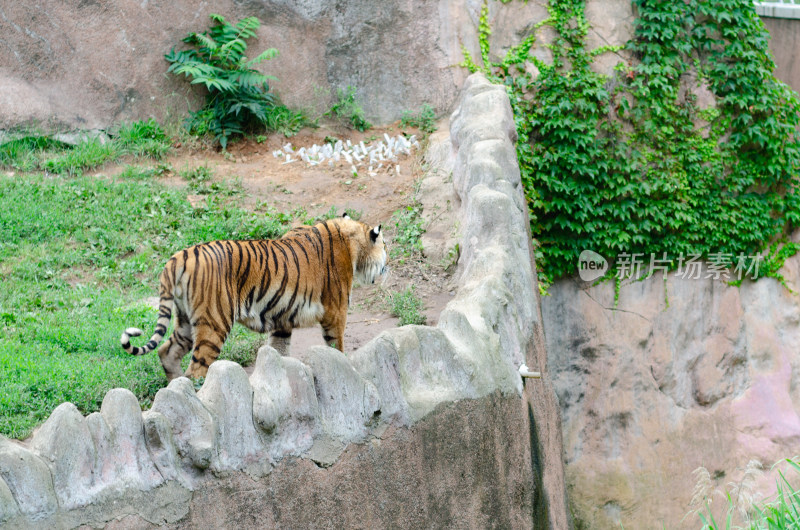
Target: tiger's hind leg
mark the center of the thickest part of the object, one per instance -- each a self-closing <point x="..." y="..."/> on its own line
<point x="208" y="342"/>
<point x="172" y="351"/>
<point x="280" y="340"/>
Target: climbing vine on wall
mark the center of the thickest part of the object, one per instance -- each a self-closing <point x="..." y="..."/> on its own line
<point x="631" y="163"/>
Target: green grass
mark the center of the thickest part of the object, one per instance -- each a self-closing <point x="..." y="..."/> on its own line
<point x="424" y="120"/>
<point x="23" y="153"/>
<point x="334" y="213"/>
<point x="32" y="152"/>
<point x="201" y="182"/>
<point x="348" y="110"/>
<point x="135" y="172"/>
<point x="88" y="154"/>
<point x="143" y="139"/>
<point x="407" y="307"/>
<point x="409" y="227"/>
<point x="78" y="257"/>
<point x="782" y="511"/>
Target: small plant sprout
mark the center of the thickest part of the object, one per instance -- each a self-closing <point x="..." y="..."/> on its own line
<point x="407" y="306"/>
<point x="349" y="110"/>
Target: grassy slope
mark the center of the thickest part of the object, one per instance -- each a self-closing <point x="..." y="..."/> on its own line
<point x="78" y="257"/>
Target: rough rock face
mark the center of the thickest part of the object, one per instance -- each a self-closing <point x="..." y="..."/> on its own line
<point x="784" y="37"/>
<point x="328" y="440"/>
<point x="649" y="392"/>
<point x="89" y="65"/>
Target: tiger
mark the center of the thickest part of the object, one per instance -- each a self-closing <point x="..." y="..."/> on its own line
<point x="270" y="286"/>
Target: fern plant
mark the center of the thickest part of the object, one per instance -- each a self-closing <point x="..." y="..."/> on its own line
<point x="239" y="96"/>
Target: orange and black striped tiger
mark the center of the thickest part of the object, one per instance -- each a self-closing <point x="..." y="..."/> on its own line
<point x="270" y="286"/>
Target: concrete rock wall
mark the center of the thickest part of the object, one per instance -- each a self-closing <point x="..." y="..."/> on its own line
<point x="420" y="427"/>
<point x="88" y="65"/>
<point x="783" y="43"/>
<point x="650" y="392"/>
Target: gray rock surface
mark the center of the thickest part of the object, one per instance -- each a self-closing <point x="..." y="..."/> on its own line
<point x="192" y="424"/>
<point x="785" y="37"/>
<point x="65" y="444"/>
<point x="515" y="316"/>
<point x="161" y="444"/>
<point x="415" y="368"/>
<point x="348" y="404"/>
<point x="8" y="506"/>
<point x="465" y="465"/>
<point x="649" y="391"/>
<point x="228" y="397"/>
<point x="88" y="66"/>
<point x="123" y="461"/>
<point x="29" y="480"/>
<point x="285" y="406"/>
<point x="440" y="202"/>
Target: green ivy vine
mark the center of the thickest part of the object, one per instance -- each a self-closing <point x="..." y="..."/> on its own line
<point x="631" y="163"/>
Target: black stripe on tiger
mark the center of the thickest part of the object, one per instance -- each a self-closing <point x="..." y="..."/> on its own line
<point x="200" y="361"/>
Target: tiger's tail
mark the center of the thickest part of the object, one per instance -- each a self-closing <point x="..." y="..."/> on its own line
<point x="165" y="306"/>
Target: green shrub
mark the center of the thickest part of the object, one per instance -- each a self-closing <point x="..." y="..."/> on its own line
<point x="239" y="98"/>
<point x="89" y="153"/>
<point x="143" y="138"/>
<point x="409" y="228"/>
<point x="349" y="110"/>
<point x="286" y="121"/>
<point x="424" y="120"/>
<point x="408" y="307"/>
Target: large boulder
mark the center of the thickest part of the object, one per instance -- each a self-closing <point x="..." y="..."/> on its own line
<point x="681" y="374"/>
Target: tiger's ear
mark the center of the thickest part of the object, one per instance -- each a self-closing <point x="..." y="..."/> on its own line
<point x="345" y="216"/>
<point x="374" y="233"/>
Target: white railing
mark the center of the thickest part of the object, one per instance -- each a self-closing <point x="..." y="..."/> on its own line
<point x="779" y="9"/>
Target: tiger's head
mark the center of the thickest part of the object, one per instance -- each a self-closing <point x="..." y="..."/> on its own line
<point x="367" y="249"/>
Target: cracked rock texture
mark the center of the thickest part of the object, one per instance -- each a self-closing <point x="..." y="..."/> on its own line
<point x="420" y="427"/>
<point x="90" y="65"/>
<point x="649" y="392"/>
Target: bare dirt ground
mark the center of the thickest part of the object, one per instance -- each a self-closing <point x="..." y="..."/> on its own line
<point x="377" y="195"/>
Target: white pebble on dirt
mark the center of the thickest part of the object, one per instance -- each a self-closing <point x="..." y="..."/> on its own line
<point x="372" y="155"/>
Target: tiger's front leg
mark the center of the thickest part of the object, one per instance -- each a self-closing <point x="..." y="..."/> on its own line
<point x="333" y="332"/>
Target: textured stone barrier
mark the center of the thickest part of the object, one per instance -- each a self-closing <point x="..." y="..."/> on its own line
<point x="684" y="372"/>
<point x="420" y="427"/>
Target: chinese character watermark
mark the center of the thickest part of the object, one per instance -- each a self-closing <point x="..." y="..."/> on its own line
<point x="717" y="266"/>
